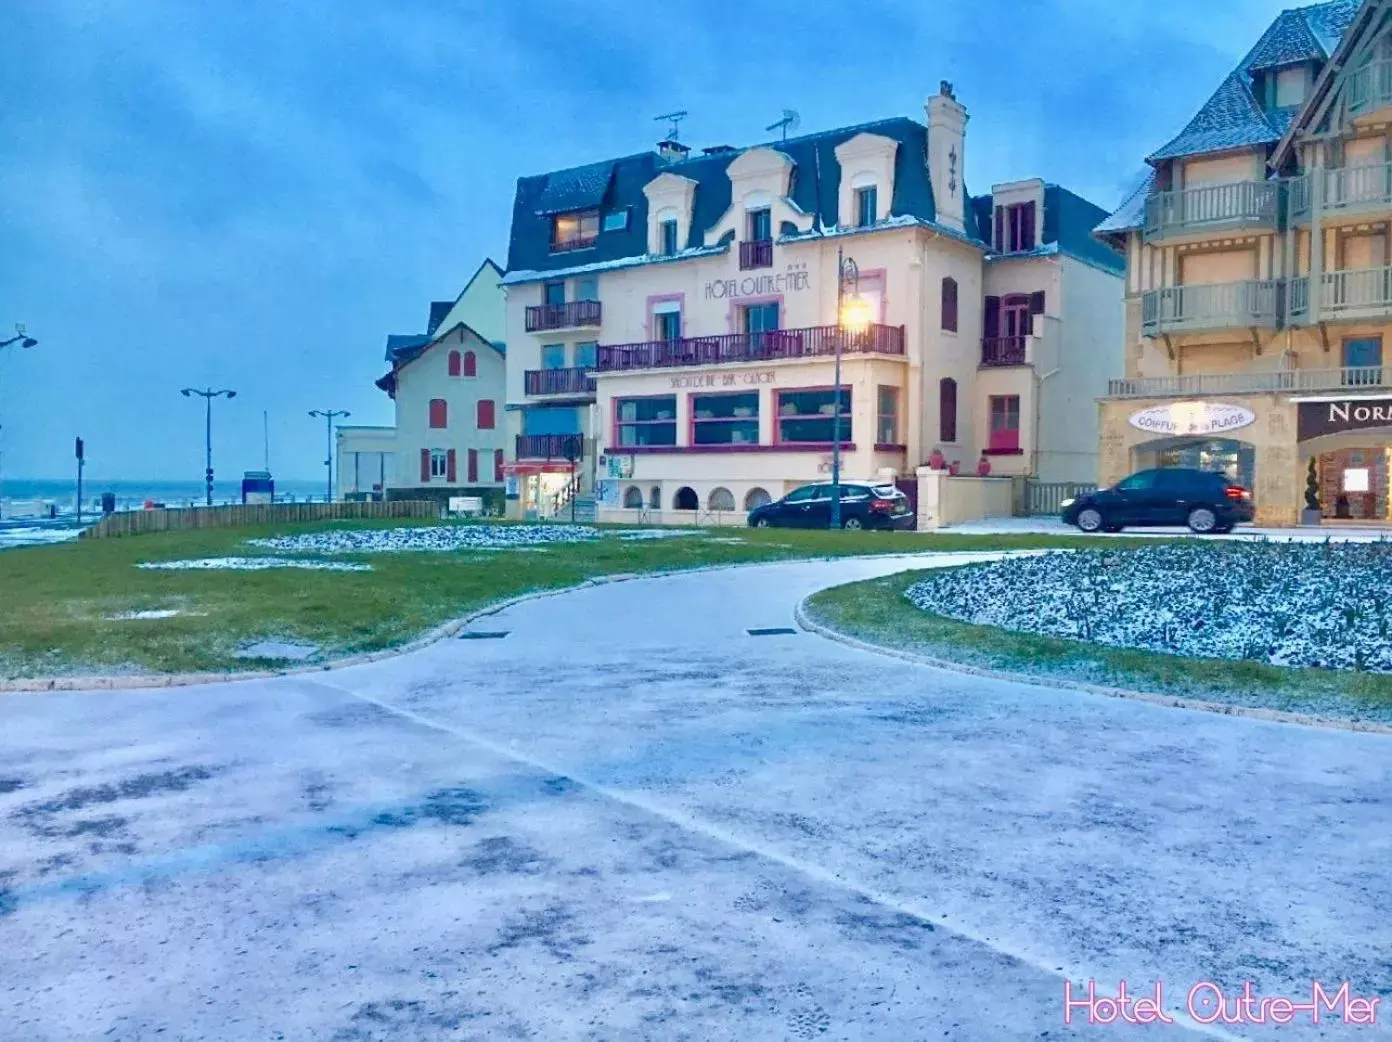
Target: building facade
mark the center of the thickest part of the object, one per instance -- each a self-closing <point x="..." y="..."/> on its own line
<point x="448" y="386"/>
<point x="366" y="461"/>
<point x="675" y="321"/>
<point x="1259" y="283"/>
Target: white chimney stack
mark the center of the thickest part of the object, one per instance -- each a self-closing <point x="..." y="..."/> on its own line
<point x="947" y="142"/>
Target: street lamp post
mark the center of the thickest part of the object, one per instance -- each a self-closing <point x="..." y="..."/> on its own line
<point x="21" y="338"/>
<point x="852" y="316"/>
<point x="208" y="394"/>
<point x="329" y="416"/>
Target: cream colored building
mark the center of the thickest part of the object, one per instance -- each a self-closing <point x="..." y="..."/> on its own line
<point x="1259" y="285"/>
<point x="673" y="322"/>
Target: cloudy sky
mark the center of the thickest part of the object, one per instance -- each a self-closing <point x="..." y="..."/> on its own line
<point x="252" y="193"/>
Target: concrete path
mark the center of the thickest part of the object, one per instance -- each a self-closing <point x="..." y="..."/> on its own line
<point x="631" y="819"/>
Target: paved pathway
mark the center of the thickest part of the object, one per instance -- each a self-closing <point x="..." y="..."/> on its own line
<point x="630" y="819"/>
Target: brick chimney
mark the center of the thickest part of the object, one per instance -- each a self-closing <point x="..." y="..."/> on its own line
<point x="947" y="142"/>
<point x="672" y="151"/>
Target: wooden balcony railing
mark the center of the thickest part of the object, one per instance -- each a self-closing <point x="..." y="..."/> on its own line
<point x="756" y="254"/>
<point x="1355" y="293"/>
<point x="1225" y="305"/>
<point x="1194" y="385"/>
<point x="1369" y="88"/>
<point x="551" y="446"/>
<point x="1349" y="190"/>
<point x="558" y="381"/>
<point x="1243" y="204"/>
<point x="815" y="342"/>
<point x="541" y="317"/>
<point x="1003" y="350"/>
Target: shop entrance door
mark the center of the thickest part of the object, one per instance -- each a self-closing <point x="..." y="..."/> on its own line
<point x="1353" y="484"/>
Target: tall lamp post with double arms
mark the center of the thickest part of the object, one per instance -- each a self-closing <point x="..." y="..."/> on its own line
<point x="21" y="338"/>
<point x="329" y="416"/>
<point x="853" y="318"/>
<point x="208" y="394"/>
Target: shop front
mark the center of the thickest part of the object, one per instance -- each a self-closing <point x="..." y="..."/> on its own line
<point x="537" y="489"/>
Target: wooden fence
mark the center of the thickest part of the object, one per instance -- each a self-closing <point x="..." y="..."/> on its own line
<point x="139" y="522"/>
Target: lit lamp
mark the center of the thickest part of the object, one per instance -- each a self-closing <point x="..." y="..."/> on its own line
<point x="853" y="316"/>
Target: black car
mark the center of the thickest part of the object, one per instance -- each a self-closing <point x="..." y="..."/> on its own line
<point x="1205" y="501"/>
<point x="863" y="505"/>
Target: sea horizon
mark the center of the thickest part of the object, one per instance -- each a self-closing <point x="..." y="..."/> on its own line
<point x="135" y="492"/>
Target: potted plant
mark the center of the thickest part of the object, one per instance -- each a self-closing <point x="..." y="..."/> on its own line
<point x="937" y="460"/>
<point x="1311" y="514"/>
<point x="955" y="468"/>
<point x="983" y="467"/>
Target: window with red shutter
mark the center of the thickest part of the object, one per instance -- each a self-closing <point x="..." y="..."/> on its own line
<point x="454" y="363"/>
<point x="497" y="464"/>
<point x="451" y="473"/>
<point x="949" y="304"/>
<point x="473" y="466"/>
<point x="1027" y="226"/>
<point x="990" y="318"/>
<point x="425" y="466"/>
<point x="1000" y="229"/>
<point x="947" y="409"/>
<point x="439" y="414"/>
<point x="470" y="364"/>
<point x="485" y="414"/>
<point x="1037" y="303"/>
<point x="1005" y="423"/>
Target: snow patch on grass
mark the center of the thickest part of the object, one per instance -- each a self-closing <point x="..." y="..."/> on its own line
<point x="254" y="564"/>
<point x="447" y="538"/>
<point x="1286" y="604"/>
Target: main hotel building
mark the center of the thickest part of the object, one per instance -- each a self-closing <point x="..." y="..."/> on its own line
<point x="1258" y="280"/>
<point x="672" y="322"/>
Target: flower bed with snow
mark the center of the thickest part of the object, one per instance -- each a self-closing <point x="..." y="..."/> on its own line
<point x="1289" y="604"/>
<point x="446" y="538"/>
<point x="252" y="564"/>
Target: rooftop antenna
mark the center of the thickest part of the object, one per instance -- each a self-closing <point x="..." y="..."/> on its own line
<point x="790" y="121"/>
<point x="266" y="438"/>
<point x="673" y="118"/>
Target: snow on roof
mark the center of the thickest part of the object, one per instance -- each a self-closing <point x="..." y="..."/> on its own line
<point x="1131" y="213"/>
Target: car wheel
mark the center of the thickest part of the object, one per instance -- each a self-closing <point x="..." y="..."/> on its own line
<point x="852" y="524"/>
<point x="1089" y="519"/>
<point x="763" y="522"/>
<point x="1202" y="521"/>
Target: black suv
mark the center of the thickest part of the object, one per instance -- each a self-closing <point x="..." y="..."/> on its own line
<point x="863" y="505"/>
<point x="1205" y="501"/>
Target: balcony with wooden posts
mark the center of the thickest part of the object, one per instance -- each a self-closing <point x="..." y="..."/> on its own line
<point x="1224" y="209"/>
<point x="574" y="314"/>
<point x="1347" y="194"/>
<point x="816" y="342"/>
<point x="1250" y="304"/>
<point x="757" y="253"/>
<point x="1276" y="381"/>
<point x="1000" y="351"/>
<point x="553" y="447"/>
<point x="574" y="382"/>
<point x="1356" y="294"/>
<point x="1368" y="94"/>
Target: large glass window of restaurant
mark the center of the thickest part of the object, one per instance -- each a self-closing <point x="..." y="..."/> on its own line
<point x="809" y="417"/>
<point x="553" y="293"/>
<point x="1005" y="423"/>
<point x="760" y="225"/>
<point x="553" y="356"/>
<point x="647" y="421"/>
<point x="725" y="419"/>
<point x="667" y="325"/>
<point x="887" y="417"/>
<point x="759" y="318"/>
<point x="866" y="201"/>
<point x="668" y="232"/>
<point x="585" y="353"/>
<point x="571" y="231"/>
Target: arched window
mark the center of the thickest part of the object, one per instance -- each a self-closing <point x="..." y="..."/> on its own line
<point x="949" y="304"/>
<point x="756" y="497"/>
<point x="947" y="409"/>
<point x="470" y="364"/>
<point x="655" y="497"/>
<point x="485" y="414"/>
<point x="439" y="414"/>
<point x="686" y="499"/>
<point x="633" y="498"/>
<point x="721" y="499"/>
<point x="454" y="363"/>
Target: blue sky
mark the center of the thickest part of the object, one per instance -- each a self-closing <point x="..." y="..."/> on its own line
<point x="251" y="194"/>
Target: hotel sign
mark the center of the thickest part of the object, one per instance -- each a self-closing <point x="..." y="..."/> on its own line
<point x="792" y="281"/>
<point x="1335" y="415"/>
<point x="748" y="378"/>
<point x="1192" y="418"/>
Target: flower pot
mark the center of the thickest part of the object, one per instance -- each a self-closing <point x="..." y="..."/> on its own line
<point x="983" y="467"/>
<point x="937" y="461"/>
<point x="1310" y="517"/>
<point x="956" y="468"/>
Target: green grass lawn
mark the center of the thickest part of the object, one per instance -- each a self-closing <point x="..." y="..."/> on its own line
<point x="54" y="600"/>
<point x="877" y="612"/>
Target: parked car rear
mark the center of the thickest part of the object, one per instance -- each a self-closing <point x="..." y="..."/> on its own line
<point x="1205" y="501"/>
<point x="863" y="505"/>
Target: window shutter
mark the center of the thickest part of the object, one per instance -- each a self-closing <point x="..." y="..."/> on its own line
<point x="439" y="414"/>
<point x="454" y="363"/>
<point x="991" y="319"/>
<point x="425" y="466"/>
<point x="1027" y="226"/>
<point x="470" y="364"/>
<point x="485" y="414"/>
<point x="949" y="304"/>
<point x="497" y="464"/>
<point x="1037" y="303"/>
<point x="473" y="466"/>
<point x="451" y="475"/>
<point x="1000" y="229"/>
<point x="947" y="409"/>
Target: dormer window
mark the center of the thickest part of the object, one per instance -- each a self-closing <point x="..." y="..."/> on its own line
<point x="866" y="206"/>
<point x="667" y="237"/>
<point x="1015" y="228"/>
<point x="574" y="231"/>
<point x="1290" y="86"/>
<point x="760" y="225"/>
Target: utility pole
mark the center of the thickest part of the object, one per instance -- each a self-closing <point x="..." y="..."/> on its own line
<point x="21" y="338"/>
<point x="329" y="416"/>
<point x="208" y="394"/>
<point x="79" y="449"/>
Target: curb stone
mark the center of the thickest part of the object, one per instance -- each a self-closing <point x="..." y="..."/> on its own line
<point x="154" y="681"/>
<point x="805" y="621"/>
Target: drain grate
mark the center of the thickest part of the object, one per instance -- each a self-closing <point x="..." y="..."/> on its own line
<point x="775" y="631"/>
<point x="475" y="635"/>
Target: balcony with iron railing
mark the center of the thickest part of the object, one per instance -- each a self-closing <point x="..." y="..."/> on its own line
<point x="1350" y="192"/>
<point x="1197" y="385"/>
<point x="774" y="345"/>
<point x="1240" y="205"/>
<point x="575" y="381"/>
<point x="1004" y="350"/>
<point x="569" y="447"/>
<point x="1203" y="308"/>
<point x="1357" y="293"/>
<point x="573" y="314"/>
<point x="1369" y="89"/>
<point x="757" y="253"/>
